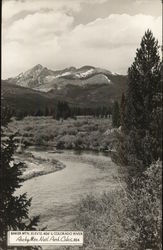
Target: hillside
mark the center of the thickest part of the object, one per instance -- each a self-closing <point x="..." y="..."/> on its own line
<point x="90" y="95"/>
<point x="40" y="87"/>
<point x="43" y="79"/>
<point x="25" y="99"/>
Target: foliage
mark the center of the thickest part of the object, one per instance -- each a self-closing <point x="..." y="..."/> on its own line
<point x="140" y="138"/>
<point x="100" y="219"/>
<point x="145" y="208"/>
<point x="116" y="115"/>
<point x="62" y="110"/>
<point x="80" y="133"/>
<point x="139" y="145"/>
<point x="13" y="209"/>
<point x="122" y="109"/>
<point x="124" y="220"/>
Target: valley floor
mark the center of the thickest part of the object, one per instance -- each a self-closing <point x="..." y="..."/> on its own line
<point x="86" y="133"/>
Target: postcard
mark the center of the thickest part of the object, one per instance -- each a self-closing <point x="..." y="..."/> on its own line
<point x="81" y="126"/>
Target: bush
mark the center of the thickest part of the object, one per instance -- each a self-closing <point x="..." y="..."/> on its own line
<point x="100" y="219"/>
<point x="82" y="133"/>
<point x="121" y="220"/>
<point x="144" y="208"/>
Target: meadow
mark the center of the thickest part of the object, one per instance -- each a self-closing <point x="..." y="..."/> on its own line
<point x="82" y="133"/>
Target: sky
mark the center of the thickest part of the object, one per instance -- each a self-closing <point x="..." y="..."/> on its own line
<point x="63" y="33"/>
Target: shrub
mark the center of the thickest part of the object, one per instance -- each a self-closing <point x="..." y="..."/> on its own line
<point x="100" y="219"/>
<point x="144" y="208"/>
<point x="121" y="220"/>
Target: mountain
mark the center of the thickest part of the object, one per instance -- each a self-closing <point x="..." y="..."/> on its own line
<point x="87" y="86"/>
<point x="91" y="95"/>
<point x="43" y="79"/>
<point x="24" y="99"/>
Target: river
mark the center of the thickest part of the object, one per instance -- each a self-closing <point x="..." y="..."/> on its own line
<point x="55" y="195"/>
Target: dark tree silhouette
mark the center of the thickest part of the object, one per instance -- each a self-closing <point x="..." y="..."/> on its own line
<point x="13" y="209"/>
<point x="116" y="115"/>
<point x="139" y="144"/>
<point x="141" y="117"/>
<point x="122" y="110"/>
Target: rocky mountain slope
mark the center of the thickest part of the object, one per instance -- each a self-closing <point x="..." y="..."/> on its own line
<point x="43" y="79"/>
<point x="86" y="87"/>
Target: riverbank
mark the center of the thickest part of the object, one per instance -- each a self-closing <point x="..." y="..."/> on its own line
<point x="55" y="196"/>
<point x="36" y="165"/>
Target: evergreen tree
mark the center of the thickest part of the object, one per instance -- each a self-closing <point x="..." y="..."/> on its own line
<point x="38" y="113"/>
<point x="66" y="112"/>
<point x="56" y="114"/>
<point x="46" y="111"/>
<point x="20" y="115"/>
<point x="116" y="115"/>
<point x="62" y="110"/>
<point x="122" y="110"/>
<point x="139" y="144"/>
<point x="141" y="124"/>
<point x="13" y="209"/>
<point x="143" y="82"/>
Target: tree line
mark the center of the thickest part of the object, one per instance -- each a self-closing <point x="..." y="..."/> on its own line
<point x="62" y="110"/>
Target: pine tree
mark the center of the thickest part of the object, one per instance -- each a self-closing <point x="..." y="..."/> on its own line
<point x="13" y="209"/>
<point x="38" y="112"/>
<point x="141" y="133"/>
<point x="122" y="110"/>
<point x="139" y="145"/>
<point x="143" y="80"/>
<point x="46" y="111"/>
<point x="116" y="115"/>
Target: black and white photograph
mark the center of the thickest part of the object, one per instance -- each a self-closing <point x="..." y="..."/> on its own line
<point x="81" y="125"/>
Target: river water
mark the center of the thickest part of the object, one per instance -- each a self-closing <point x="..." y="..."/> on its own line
<point x="56" y="195"/>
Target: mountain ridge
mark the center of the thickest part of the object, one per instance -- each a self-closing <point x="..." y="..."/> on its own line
<point x="43" y="79"/>
<point x="86" y="86"/>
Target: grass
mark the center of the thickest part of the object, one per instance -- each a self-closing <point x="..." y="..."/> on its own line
<point x="83" y="133"/>
<point x="123" y="219"/>
<point x="100" y="219"/>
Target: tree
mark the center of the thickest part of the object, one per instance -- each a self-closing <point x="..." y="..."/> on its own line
<point x="139" y="144"/>
<point x="38" y="113"/>
<point x="46" y="111"/>
<point x="141" y="134"/>
<point x="13" y="209"/>
<point x="20" y="115"/>
<point x="122" y="109"/>
<point x="62" y="110"/>
<point x="116" y="115"/>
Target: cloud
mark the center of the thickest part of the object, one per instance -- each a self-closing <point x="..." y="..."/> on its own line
<point x="109" y="42"/>
<point x="14" y="7"/>
<point x="38" y="26"/>
<point x="114" y="31"/>
<point x="52" y="39"/>
<point x="32" y="40"/>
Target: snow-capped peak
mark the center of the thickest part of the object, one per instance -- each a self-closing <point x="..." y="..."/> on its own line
<point x="84" y="74"/>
